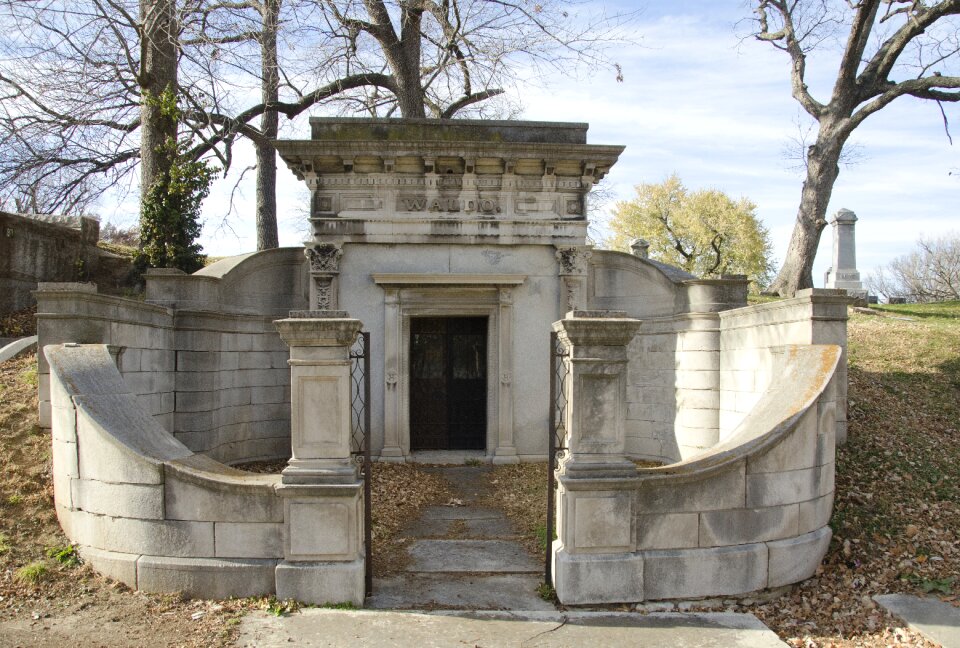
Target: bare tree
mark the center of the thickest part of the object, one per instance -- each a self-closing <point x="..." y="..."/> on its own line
<point x="892" y="48"/>
<point x="76" y="73"/>
<point x="929" y="273"/>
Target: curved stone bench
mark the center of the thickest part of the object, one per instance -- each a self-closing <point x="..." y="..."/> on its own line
<point x="752" y="511"/>
<point x="142" y="507"/>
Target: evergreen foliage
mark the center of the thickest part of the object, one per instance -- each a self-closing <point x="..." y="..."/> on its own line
<point x="170" y="207"/>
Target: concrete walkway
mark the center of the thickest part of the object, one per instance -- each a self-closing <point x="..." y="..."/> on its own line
<point x="464" y="556"/>
<point x="360" y="629"/>
<point x="936" y="620"/>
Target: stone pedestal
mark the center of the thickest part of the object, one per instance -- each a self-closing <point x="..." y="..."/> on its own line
<point x="323" y="495"/>
<point x="595" y="559"/>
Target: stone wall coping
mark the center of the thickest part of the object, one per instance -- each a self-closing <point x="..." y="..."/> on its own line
<point x="673" y="274"/>
<point x="800" y="374"/>
<point x="419" y="279"/>
<point x="66" y="286"/>
<point x="208" y="473"/>
<point x="814" y="296"/>
<point x="79" y="291"/>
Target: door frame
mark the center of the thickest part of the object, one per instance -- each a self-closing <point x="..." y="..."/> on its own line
<point x="418" y="295"/>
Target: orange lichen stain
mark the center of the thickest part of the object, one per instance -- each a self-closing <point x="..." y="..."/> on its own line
<point x="820" y="379"/>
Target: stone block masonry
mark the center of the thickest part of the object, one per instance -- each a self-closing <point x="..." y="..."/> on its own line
<point x="146" y="510"/>
<point x="747" y="513"/>
<point x="202" y="359"/>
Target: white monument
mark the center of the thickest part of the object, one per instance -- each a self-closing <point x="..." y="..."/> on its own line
<point x="843" y="274"/>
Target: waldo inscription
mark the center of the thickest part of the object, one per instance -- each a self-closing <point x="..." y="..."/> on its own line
<point x="451" y="205"/>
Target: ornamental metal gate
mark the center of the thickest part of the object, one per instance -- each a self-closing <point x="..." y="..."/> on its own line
<point x="557" y="440"/>
<point x="360" y="438"/>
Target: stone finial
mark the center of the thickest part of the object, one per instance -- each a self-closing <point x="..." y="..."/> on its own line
<point x="640" y="247"/>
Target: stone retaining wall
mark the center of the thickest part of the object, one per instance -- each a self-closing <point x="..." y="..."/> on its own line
<point x="752" y="512"/>
<point x="142" y="507"/>
<point x="200" y="358"/>
<point x="814" y="316"/>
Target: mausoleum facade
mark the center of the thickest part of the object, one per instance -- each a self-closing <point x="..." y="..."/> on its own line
<point x="458" y="246"/>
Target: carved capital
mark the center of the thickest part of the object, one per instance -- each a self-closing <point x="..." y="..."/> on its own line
<point x="573" y="260"/>
<point x="324" y="257"/>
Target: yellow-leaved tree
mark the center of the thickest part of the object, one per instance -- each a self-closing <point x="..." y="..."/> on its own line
<point x="704" y="232"/>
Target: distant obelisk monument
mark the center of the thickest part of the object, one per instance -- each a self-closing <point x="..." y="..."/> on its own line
<point x="843" y="273"/>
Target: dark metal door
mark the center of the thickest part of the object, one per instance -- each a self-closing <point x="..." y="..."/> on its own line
<point x="448" y="383"/>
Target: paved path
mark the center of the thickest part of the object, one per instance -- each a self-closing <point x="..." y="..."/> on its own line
<point x="464" y="556"/>
<point x="361" y="629"/>
<point x="466" y="565"/>
<point x="936" y="620"/>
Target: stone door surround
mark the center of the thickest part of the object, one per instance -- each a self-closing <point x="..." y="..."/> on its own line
<point x="423" y="295"/>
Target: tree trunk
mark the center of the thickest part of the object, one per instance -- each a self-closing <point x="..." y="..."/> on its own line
<point x="404" y="62"/>
<point x="822" y="170"/>
<point x="267" y="237"/>
<point x="158" y="73"/>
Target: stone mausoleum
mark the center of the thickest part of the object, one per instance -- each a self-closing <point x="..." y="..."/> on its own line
<point x="458" y="246"/>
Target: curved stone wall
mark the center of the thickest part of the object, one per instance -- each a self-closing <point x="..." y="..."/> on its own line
<point x="141" y="506"/>
<point x="751" y="512"/>
<point x="202" y="355"/>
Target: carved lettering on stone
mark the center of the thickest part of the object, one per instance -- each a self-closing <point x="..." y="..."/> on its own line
<point x="324" y="257"/>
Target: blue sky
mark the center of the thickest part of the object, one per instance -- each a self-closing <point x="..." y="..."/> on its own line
<point x="700" y="100"/>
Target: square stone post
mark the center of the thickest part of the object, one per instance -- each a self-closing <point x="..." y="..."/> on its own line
<point x="594" y="557"/>
<point x="323" y="495"/>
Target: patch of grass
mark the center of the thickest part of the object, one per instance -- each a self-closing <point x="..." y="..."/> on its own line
<point x="753" y="299"/>
<point x="15" y="500"/>
<point x="472" y="461"/>
<point x="930" y="585"/>
<point x="30" y="377"/>
<point x="4" y="544"/>
<point x="947" y="310"/>
<point x="547" y="593"/>
<point x="343" y="605"/>
<point x="32" y="573"/>
<point x="65" y="555"/>
<point x="279" y="608"/>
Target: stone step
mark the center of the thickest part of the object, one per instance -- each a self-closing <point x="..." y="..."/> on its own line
<point x="457" y="591"/>
<point x="498" y="556"/>
<point x="461" y="513"/>
<point x="462" y="529"/>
